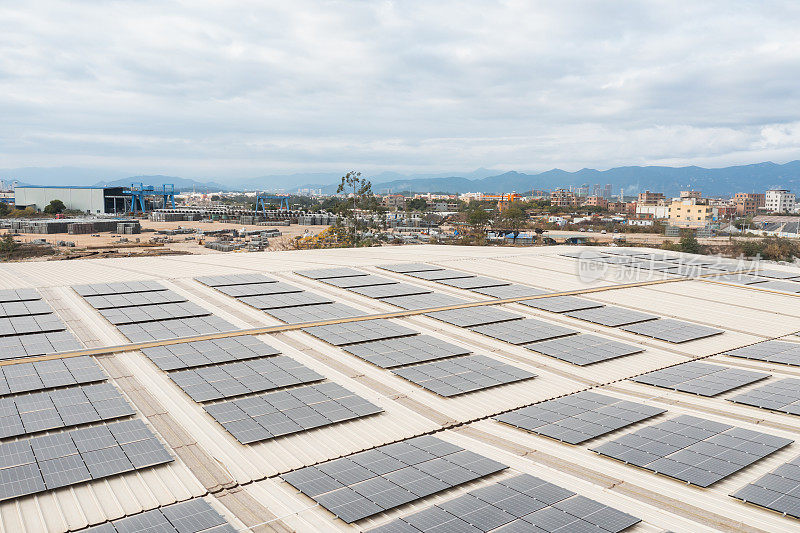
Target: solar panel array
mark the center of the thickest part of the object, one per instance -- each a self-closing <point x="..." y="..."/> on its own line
<point x="370" y="482"/>
<point x="584" y="349"/>
<point x="700" y="378"/>
<point x="35" y="464"/>
<point x="611" y="316"/>
<point x="242" y="377"/>
<point x="401" y="351"/>
<point x="29" y="327"/>
<point x="579" y="417"/>
<point x="355" y="332"/>
<point x="451" y="377"/>
<point x="782" y="395"/>
<point x="424" y="301"/>
<point x="193" y="516"/>
<point x="523" y="331"/>
<point x="351" y="282"/>
<point x="512" y="290"/>
<point x="671" y="330"/>
<point x="331" y="273"/>
<point x="520" y="503"/>
<point x="208" y="352"/>
<point x="691" y="449"/>
<point x="267" y="416"/>
<point x="561" y="304"/>
<point x="778" y="285"/>
<point x="287" y="303"/>
<point x="39" y="375"/>
<point x="474" y="282"/>
<point x="42" y="411"/>
<point x="787" y="353"/>
<point x="779" y="490"/>
<point x="473" y="316"/>
<point x="146" y="311"/>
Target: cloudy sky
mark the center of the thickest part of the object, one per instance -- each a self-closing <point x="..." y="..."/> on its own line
<point x="245" y="88"/>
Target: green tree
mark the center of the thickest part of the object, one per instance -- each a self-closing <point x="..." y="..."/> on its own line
<point x="690" y="245"/>
<point x="8" y="245"/>
<point x="513" y="217"/>
<point x="4" y="209"/>
<point x="361" y="191"/>
<point x="54" y="207"/>
<point x="477" y="216"/>
<point x="417" y="204"/>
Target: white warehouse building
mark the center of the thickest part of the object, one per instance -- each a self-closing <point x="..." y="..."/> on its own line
<point x="93" y="200"/>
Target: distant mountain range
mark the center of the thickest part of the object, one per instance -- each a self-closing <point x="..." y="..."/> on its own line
<point x="669" y="180"/>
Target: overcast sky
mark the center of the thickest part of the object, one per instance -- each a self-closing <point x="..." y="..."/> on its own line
<point x="209" y="89"/>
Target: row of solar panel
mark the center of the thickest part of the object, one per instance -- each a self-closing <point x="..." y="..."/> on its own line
<point x="193" y="516"/>
<point x="283" y="301"/>
<point x="38" y="375"/>
<point x="37" y="464"/>
<point x="367" y="483"/>
<point x="629" y="320"/>
<point x="147" y="311"/>
<point x="29" y="327"/>
<point x="242" y="366"/>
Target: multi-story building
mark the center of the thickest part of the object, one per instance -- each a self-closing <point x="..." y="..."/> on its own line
<point x="582" y="191"/>
<point x="657" y="211"/>
<point x="779" y="201"/>
<point x="650" y="198"/>
<point x="562" y="198"/>
<point x="748" y="203"/>
<point x="607" y="192"/>
<point x="690" y="194"/>
<point x="596" y="201"/>
<point x="393" y="202"/>
<point x="690" y="213"/>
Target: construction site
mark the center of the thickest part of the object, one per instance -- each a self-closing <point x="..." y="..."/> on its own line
<point x="415" y="388"/>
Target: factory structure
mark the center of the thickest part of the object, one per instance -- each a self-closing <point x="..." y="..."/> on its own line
<point x="97" y="200"/>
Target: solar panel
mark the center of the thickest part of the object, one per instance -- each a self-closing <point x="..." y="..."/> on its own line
<point x="787" y="353"/>
<point x="523" y="331"/>
<point x="522" y="503"/>
<point x="425" y="301"/>
<point x="584" y="349"/>
<point x="315" y="313"/>
<point x="23" y="325"/>
<point x="171" y="329"/>
<point x="691" y="449"/>
<point x="390" y="291"/>
<point x="276" y="414"/>
<point x="359" y="281"/>
<point x="473" y="316"/>
<point x="373" y="481"/>
<point x="355" y="332"/>
<point x="280" y="301"/>
<point x="234" y="279"/>
<point x="25" y="377"/>
<point x="208" y="352"/>
<point x="329" y="273"/>
<point x="584" y="254"/>
<point x="579" y="417"/>
<point x="405" y="268"/>
<point x="192" y="516"/>
<point x="24" y="308"/>
<point x="258" y="289"/>
<point x="42" y="411"/>
<point x="626" y="251"/>
<point x="777" y="285"/>
<point x="403" y="351"/>
<point x="477" y="282"/>
<point x="134" y="299"/>
<point x="744" y="279"/>
<point x="36" y="464"/>
<point x="99" y="289"/>
<point x="696" y="377"/>
<point x="437" y="275"/>
<point x="671" y="330"/>
<point x="460" y="375"/>
<point x="513" y="290"/>
<point x="615" y="260"/>
<point x="12" y="347"/>
<point x="242" y="377"/>
<point x="777" y="490"/>
<point x="610" y="315"/>
<point x="18" y="295"/>
<point x="782" y="395"/>
<point x="152" y="313"/>
<point x="777" y="274"/>
<point x="561" y="304"/>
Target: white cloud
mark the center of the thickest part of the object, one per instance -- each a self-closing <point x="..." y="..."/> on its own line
<point x="246" y="88"/>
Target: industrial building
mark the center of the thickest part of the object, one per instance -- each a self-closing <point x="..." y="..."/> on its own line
<point x="97" y="200"/>
<point x="401" y="389"/>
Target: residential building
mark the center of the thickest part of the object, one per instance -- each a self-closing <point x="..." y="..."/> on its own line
<point x="779" y="201"/>
<point x="690" y="194"/>
<point x="596" y="201"/>
<point x="747" y="203"/>
<point x="607" y="191"/>
<point x="394" y="202"/>
<point x="562" y="198"/>
<point x="650" y="198"/>
<point x="689" y="212"/>
<point x="657" y="211"/>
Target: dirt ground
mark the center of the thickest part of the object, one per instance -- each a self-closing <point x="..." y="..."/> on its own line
<point x="186" y="243"/>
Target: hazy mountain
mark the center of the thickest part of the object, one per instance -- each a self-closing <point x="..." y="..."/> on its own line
<point x="669" y="180"/>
